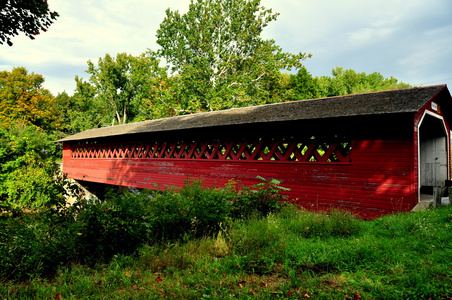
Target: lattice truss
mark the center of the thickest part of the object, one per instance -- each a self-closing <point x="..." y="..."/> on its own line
<point x="290" y="150"/>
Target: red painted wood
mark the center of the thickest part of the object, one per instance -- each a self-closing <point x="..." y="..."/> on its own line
<point x="264" y="150"/>
<point x="378" y="180"/>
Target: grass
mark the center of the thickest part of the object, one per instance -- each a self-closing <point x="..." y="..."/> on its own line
<point x="290" y="254"/>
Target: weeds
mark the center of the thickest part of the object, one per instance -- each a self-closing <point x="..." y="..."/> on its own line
<point x="37" y="243"/>
<point x="334" y="223"/>
<point x="268" y="254"/>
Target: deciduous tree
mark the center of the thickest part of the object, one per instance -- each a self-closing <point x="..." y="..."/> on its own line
<point x="303" y="85"/>
<point x="218" y="54"/>
<point x="23" y="99"/>
<point x="122" y="82"/>
<point x="27" y="16"/>
<point x="81" y="112"/>
<point x="27" y="167"/>
<point x="345" y="82"/>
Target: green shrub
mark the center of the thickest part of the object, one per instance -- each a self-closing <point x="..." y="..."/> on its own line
<point x="264" y="198"/>
<point x="34" y="187"/>
<point x="119" y="224"/>
<point x="35" y="244"/>
<point x="18" y="249"/>
<point x="27" y="173"/>
<point x="38" y="243"/>
<point x="191" y="211"/>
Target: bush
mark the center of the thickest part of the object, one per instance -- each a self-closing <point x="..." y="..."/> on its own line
<point x="119" y="224"/>
<point x="264" y="199"/>
<point x="191" y="211"/>
<point x="34" y="187"/>
<point x="198" y="211"/>
<point x="28" y="171"/>
<point x="37" y="243"/>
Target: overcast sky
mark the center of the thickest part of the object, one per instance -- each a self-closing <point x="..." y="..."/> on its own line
<point x="410" y="40"/>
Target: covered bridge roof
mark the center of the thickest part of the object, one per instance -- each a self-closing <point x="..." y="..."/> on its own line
<point x="377" y="103"/>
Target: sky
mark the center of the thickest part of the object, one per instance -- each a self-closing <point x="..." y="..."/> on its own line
<point x="410" y="40"/>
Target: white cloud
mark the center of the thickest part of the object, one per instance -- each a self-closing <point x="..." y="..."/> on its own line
<point x="365" y="36"/>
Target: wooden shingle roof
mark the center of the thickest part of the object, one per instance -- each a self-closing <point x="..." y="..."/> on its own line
<point x="377" y="103"/>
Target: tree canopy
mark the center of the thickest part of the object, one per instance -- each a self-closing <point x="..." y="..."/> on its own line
<point x="123" y="83"/>
<point x="23" y="99"/>
<point x="27" y="16"/>
<point x="346" y="82"/>
<point x="29" y="125"/>
<point x="342" y="82"/>
<point x="218" y="54"/>
<point x="215" y="58"/>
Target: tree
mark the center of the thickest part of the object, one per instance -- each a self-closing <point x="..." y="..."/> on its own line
<point x="28" y="174"/>
<point x="82" y="111"/>
<point x="27" y="16"/>
<point x="303" y="85"/>
<point x="23" y="99"/>
<point x="346" y="82"/>
<point x="122" y="82"/>
<point x="218" y="54"/>
<point x="162" y="99"/>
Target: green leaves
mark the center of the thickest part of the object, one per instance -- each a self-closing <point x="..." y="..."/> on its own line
<point x="28" y="175"/>
<point x="215" y="59"/>
<point x="29" y="17"/>
<point x="345" y="82"/>
<point x="123" y="83"/>
<point x="23" y="99"/>
<point x="219" y="56"/>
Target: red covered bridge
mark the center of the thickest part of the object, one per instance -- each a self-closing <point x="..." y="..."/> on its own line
<point x="370" y="153"/>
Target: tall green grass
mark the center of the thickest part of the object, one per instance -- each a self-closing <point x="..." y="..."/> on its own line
<point x="280" y="254"/>
<point x="36" y="243"/>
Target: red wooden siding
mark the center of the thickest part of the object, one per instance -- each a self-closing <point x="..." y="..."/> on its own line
<point x="372" y="179"/>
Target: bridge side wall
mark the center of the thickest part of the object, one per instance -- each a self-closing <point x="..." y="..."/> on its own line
<point x="373" y="177"/>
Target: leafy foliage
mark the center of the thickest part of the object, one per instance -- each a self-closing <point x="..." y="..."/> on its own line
<point x="197" y="211"/>
<point x="82" y="111"/>
<point x="343" y="82"/>
<point x="122" y="83"/>
<point x="29" y="120"/>
<point x="404" y="256"/>
<point x="23" y="99"/>
<point x="32" y="245"/>
<point x="346" y="82"/>
<point x="28" y="175"/>
<point x="218" y="55"/>
<point x="214" y="58"/>
<point x="91" y="230"/>
<point x="29" y="17"/>
<point x="304" y="86"/>
<point x="190" y="211"/>
<point x="105" y="228"/>
<point x="259" y="201"/>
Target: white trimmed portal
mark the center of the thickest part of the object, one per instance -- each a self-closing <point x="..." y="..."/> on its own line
<point x="433" y="152"/>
